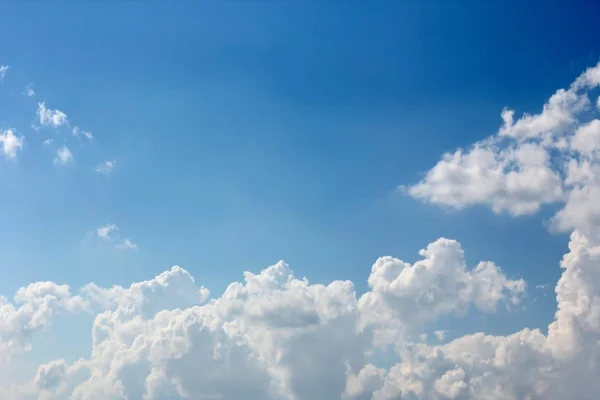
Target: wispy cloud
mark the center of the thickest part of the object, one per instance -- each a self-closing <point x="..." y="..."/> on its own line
<point x="127" y="245"/>
<point x="3" y="71"/>
<point x="106" y="167"/>
<point x="29" y="92"/>
<point x="63" y="156"/>
<point x="10" y="143"/>
<point x="77" y="132"/>
<point x="49" y="117"/>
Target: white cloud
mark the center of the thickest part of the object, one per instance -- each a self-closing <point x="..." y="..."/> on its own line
<point x="550" y="157"/>
<point x="3" y="71"/>
<point x="106" y="167"/>
<point x="272" y="336"/>
<point x="127" y="245"/>
<point x="77" y="132"/>
<point x="49" y="117"/>
<point x="63" y="156"/>
<point x="104" y="232"/>
<point x="10" y="143"/>
<point x="48" y="141"/>
<point x="29" y="92"/>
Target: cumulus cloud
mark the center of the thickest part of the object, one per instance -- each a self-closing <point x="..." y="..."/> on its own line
<point x="3" y="71"/>
<point x="49" y="117"/>
<point x="545" y="158"/>
<point x="106" y="167"/>
<point x="271" y="336"/>
<point x="10" y="143"/>
<point x="63" y="156"/>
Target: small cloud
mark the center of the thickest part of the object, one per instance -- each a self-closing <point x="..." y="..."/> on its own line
<point x="49" y="117"/>
<point x="10" y="143"/>
<point x="63" y="156"/>
<point x="423" y="337"/>
<point x="127" y="245"/>
<point x="440" y="335"/>
<point x="598" y="103"/>
<point x="543" y="288"/>
<point x="29" y="92"/>
<point x="48" y="141"/>
<point x="3" y="71"/>
<point x="77" y="132"/>
<point x="104" y="231"/>
<point x="106" y="167"/>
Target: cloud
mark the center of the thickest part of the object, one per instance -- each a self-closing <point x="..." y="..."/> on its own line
<point x="10" y="143"/>
<point x="127" y="245"/>
<point x="440" y="335"/>
<point x="271" y="336"/>
<point x="550" y="157"/>
<point x="104" y="232"/>
<point x="63" y="156"/>
<point x="48" y="141"/>
<point x="29" y="92"/>
<point x="106" y="167"/>
<point x="77" y="132"/>
<point x="3" y="71"/>
<point x="49" y="117"/>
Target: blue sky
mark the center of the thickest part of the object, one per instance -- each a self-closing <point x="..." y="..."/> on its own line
<point x="248" y="132"/>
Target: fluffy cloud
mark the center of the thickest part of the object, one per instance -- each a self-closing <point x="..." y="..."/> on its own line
<point x="550" y="157"/>
<point x="272" y="336"/>
<point x="10" y="143"/>
<point x="49" y="117"/>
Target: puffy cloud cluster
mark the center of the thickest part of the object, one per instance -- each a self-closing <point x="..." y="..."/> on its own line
<point x="272" y="336"/>
<point x="276" y="337"/>
<point x="550" y="157"/>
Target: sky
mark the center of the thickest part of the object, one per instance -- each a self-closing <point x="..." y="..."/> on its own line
<point x="299" y="200"/>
